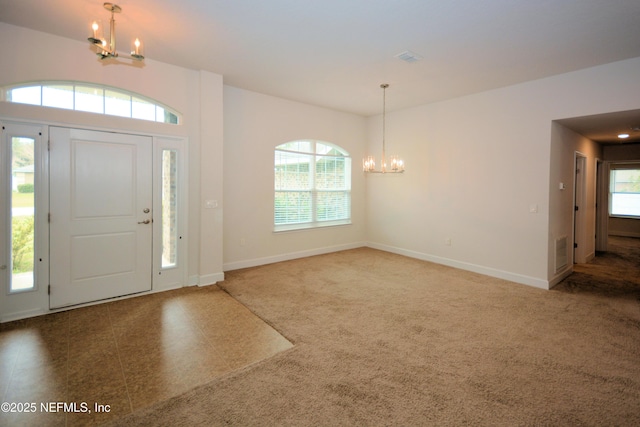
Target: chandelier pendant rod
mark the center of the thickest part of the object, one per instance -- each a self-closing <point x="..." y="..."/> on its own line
<point x="384" y="87"/>
<point x="112" y="31"/>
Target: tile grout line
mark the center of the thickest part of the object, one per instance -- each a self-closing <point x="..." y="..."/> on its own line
<point x="210" y="342"/>
<point x="115" y="339"/>
<point x="11" y="375"/>
<point x="193" y="320"/>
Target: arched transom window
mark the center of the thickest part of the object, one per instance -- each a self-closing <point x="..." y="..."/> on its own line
<point x="91" y="98"/>
<point x="312" y="185"/>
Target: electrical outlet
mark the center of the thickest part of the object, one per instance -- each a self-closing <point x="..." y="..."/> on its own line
<point x="447" y="241"/>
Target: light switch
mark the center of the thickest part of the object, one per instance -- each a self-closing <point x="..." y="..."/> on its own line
<point x="211" y="204"/>
<point x="533" y="208"/>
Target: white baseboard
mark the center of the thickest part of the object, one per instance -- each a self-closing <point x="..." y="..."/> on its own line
<point x="289" y="256"/>
<point x="193" y="281"/>
<point x="23" y="315"/>
<point x="488" y="271"/>
<point x="590" y="256"/>
<point x="211" y="279"/>
<point x="560" y="276"/>
<point x="624" y="233"/>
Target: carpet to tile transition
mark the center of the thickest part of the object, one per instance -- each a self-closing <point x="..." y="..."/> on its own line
<point x="381" y="339"/>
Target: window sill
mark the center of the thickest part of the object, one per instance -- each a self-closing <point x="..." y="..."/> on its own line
<point x="624" y="216"/>
<point x="310" y="226"/>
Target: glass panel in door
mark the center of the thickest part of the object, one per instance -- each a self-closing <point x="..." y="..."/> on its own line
<point x="22" y="215"/>
<point x="169" y="208"/>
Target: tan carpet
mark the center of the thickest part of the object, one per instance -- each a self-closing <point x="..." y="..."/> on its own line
<point x="382" y="339"/>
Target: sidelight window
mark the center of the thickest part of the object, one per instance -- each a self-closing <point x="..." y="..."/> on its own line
<point x="169" y="208"/>
<point x="19" y="187"/>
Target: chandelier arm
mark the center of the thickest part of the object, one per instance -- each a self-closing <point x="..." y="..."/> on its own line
<point x="110" y="50"/>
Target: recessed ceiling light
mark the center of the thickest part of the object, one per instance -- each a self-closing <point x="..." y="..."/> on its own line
<point x="623" y="135"/>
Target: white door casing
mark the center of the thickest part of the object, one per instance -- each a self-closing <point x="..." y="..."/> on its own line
<point x="579" y="216"/>
<point x="101" y="215"/>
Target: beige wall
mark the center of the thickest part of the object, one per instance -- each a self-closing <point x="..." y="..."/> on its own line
<point x="476" y="165"/>
<point x="195" y="94"/>
<point x="570" y="145"/>
<point x="254" y="124"/>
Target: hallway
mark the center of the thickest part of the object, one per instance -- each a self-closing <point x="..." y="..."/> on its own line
<point x="614" y="274"/>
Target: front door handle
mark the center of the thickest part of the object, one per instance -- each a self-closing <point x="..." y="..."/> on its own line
<point x="146" y="221"/>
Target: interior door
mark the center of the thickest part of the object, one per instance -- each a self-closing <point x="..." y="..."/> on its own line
<point x="100" y="215"/>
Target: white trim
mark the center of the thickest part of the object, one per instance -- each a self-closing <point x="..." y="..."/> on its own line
<point x="500" y="274"/>
<point x="166" y="278"/>
<point x="28" y="302"/>
<point x="25" y="314"/>
<point x="625" y="234"/>
<point x="602" y="204"/>
<point x="211" y="279"/>
<point x="561" y="276"/>
<point x="488" y="271"/>
<point x="310" y="225"/>
<point x="579" y="241"/>
<point x="290" y="256"/>
<point x="590" y="256"/>
<point x="312" y="181"/>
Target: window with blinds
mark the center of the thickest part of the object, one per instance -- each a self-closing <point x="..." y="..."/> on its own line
<point x="312" y="185"/>
<point x="624" y="192"/>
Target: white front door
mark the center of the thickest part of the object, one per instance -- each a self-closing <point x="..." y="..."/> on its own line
<point x="100" y="223"/>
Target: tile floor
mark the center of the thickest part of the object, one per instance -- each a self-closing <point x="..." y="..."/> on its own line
<point x="126" y="354"/>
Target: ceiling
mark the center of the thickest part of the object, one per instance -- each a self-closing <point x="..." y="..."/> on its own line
<point x="604" y="128"/>
<point x="336" y="53"/>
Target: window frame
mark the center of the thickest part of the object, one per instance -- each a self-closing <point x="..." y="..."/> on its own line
<point x="314" y="188"/>
<point x="161" y="112"/>
<point x="39" y="134"/>
<point x="612" y="169"/>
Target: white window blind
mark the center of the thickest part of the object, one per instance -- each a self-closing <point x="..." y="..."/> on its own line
<point x="624" y="192"/>
<point x="312" y="185"/>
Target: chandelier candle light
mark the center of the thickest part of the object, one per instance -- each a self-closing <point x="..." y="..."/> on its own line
<point x="369" y="162"/>
<point x="109" y="51"/>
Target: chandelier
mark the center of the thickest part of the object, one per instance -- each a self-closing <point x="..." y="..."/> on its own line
<point x="369" y="162"/>
<point x="108" y="50"/>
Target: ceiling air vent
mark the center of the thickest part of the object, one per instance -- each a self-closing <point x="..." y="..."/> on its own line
<point x="408" y="56"/>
